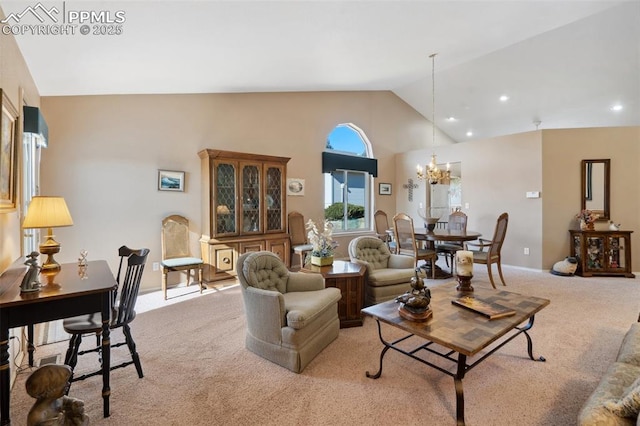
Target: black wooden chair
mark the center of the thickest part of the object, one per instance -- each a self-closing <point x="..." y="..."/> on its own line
<point x="122" y="313"/>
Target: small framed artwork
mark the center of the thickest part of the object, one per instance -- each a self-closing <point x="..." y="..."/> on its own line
<point x="295" y="186"/>
<point x="170" y="180"/>
<point x="8" y="117"/>
<point x="384" y="189"/>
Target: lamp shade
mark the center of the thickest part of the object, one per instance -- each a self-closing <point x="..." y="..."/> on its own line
<point x="47" y="212"/>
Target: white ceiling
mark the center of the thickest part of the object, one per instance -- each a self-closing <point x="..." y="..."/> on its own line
<point x="564" y="63"/>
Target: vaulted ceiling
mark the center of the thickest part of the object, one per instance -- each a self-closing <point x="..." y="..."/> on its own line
<point x="562" y="64"/>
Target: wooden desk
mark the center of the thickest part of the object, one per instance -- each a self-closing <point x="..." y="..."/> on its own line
<point x="349" y="278"/>
<point x="73" y="296"/>
<point x="454" y="330"/>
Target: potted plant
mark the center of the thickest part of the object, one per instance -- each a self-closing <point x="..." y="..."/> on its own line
<point x="322" y="243"/>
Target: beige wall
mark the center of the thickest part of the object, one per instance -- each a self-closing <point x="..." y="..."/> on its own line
<point x="105" y="151"/>
<point x="16" y="82"/>
<point x="497" y="173"/>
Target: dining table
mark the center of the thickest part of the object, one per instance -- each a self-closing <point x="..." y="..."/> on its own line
<point x="447" y="235"/>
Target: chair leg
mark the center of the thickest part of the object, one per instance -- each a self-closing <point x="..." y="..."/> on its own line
<point x="500" y="273"/>
<point x="71" y="358"/>
<point x="490" y="276"/>
<point x="200" y="279"/>
<point x="132" y="349"/>
<point x="164" y="283"/>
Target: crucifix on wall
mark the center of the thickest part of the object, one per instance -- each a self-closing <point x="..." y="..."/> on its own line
<point x="410" y="186"/>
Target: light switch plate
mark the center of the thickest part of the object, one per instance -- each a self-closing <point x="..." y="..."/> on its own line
<point x="533" y="194"/>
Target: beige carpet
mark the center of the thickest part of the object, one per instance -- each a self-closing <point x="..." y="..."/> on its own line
<point x="197" y="371"/>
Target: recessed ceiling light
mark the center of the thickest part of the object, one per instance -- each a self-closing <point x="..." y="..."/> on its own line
<point x="451" y="118"/>
<point x="469" y="133"/>
<point x="616" y="107"/>
<point x="504" y="98"/>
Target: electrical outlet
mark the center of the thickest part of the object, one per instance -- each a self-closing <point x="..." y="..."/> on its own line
<point x="526" y="251"/>
<point x="156" y="266"/>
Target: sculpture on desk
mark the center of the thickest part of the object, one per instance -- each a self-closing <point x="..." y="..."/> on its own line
<point x="48" y="384"/>
<point x="30" y="281"/>
<point x="414" y="304"/>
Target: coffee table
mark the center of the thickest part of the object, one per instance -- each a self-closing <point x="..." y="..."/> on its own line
<point x="454" y="334"/>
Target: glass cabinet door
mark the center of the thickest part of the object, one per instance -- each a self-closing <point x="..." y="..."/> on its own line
<point x="251" y="196"/>
<point x="595" y="253"/>
<point x="617" y="253"/>
<point x="225" y="198"/>
<point x="274" y="198"/>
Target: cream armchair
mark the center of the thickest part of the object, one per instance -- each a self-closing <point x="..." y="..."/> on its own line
<point x="388" y="275"/>
<point x="291" y="316"/>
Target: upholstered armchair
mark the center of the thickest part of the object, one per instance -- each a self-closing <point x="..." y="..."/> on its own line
<point x="388" y="275"/>
<point x="291" y="316"/>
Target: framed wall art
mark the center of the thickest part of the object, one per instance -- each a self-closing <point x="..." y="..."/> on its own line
<point x="295" y="186"/>
<point x="8" y="164"/>
<point x="170" y="180"/>
<point x="384" y="189"/>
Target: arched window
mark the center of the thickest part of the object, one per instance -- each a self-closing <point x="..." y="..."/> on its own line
<point x="349" y="167"/>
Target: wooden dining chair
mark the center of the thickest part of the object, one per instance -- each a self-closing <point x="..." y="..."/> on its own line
<point x="123" y="302"/>
<point x="457" y="222"/>
<point x="407" y="244"/>
<point x="176" y="252"/>
<point x="382" y="230"/>
<point x="298" y="236"/>
<point x="493" y="246"/>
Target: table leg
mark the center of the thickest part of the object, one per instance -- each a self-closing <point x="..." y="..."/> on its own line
<point x="457" y="381"/>
<point x="524" y="330"/>
<point x="30" y="346"/>
<point x="5" y="419"/>
<point x="106" y="352"/>
<point x="384" y="351"/>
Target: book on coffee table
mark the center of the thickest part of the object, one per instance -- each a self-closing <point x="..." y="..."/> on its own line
<point x="488" y="309"/>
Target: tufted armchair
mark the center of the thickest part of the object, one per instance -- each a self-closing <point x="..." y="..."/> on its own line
<point x="291" y="316"/>
<point x="388" y="275"/>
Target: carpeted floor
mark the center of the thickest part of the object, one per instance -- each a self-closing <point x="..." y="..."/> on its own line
<point x="197" y="371"/>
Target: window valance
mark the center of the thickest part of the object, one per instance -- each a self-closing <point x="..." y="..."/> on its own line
<point x="332" y="161"/>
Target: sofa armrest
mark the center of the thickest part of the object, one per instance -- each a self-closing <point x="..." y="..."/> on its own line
<point x="304" y="281"/>
<point x="399" y="261"/>
<point x="265" y="312"/>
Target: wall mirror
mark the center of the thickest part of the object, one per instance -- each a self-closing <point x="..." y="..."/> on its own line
<point x="595" y="186"/>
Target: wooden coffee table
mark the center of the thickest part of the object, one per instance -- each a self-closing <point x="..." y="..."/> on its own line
<point x="455" y="330"/>
<point x="349" y="278"/>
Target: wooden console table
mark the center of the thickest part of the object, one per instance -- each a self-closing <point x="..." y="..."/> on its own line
<point x="349" y="278"/>
<point x="602" y="253"/>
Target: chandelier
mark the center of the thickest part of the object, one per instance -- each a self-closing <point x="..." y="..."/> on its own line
<point x="432" y="173"/>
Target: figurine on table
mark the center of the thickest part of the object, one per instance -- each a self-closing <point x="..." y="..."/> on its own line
<point x="30" y="281"/>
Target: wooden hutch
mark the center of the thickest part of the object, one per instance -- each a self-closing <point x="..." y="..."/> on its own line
<point x="243" y="209"/>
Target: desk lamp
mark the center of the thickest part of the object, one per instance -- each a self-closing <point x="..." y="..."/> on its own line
<point x="48" y="212"/>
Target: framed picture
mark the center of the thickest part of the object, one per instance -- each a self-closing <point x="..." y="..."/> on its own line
<point x="384" y="189"/>
<point x="170" y="180"/>
<point x="295" y="186"/>
<point x="7" y="154"/>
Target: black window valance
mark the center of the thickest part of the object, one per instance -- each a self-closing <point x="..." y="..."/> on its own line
<point x="332" y="161"/>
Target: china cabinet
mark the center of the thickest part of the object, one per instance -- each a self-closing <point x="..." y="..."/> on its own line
<point x="602" y="252"/>
<point x="243" y="209"/>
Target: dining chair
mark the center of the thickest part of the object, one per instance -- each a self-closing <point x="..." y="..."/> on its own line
<point x="123" y="302"/>
<point x="457" y="222"/>
<point x="407" y="244"/>
<point x="176" y="252"/>
<point x="493" y="246"/>
<point x="298" y="235"/>
<point x="383" y="230"/>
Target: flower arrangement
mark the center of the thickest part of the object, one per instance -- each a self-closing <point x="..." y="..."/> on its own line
<point x="587" y="216"/>
<point x="322" y="241"/>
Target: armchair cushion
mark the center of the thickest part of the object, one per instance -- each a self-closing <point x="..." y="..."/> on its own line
<point x="304" y="307"/>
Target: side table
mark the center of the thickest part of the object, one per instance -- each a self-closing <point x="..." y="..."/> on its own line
<point x="349" y="278"/>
